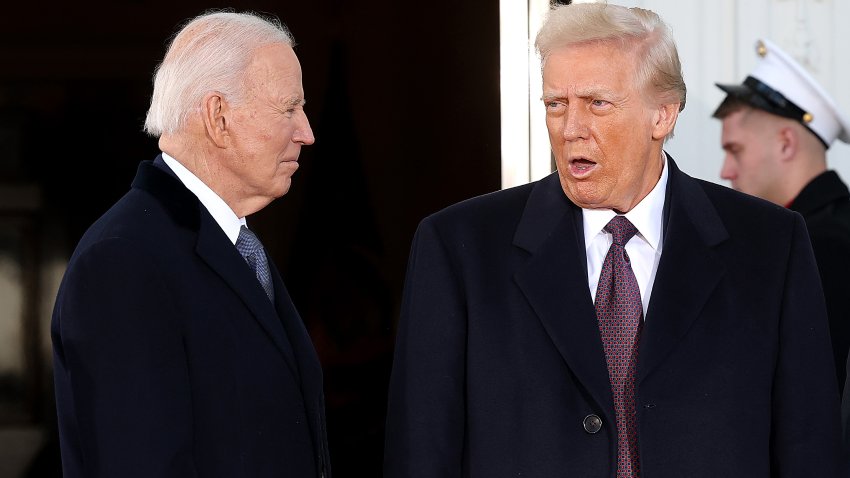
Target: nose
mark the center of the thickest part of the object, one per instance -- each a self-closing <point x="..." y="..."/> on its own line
<point x="729" y="171"/>
<point x="575" y="124"/>
<point x="303" y="133"/>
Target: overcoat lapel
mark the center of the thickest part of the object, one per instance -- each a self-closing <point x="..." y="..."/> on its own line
<point x="214" y="249"/>
<point x="554" y="281"/>
<point x="226" y="261"/>
<point x="307" y="361"/>
<point x="688" y="272"/>
<point x="306" y="358"/>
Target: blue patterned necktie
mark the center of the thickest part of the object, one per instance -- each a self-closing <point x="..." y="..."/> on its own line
<point x="252" y="250"/>
<point x="620" y="315"/>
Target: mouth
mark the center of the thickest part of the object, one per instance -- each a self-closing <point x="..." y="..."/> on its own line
<point x="581" y="167"/>
<point x="288" y="166"/>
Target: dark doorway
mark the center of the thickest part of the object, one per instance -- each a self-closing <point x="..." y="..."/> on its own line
<point x="404" y="102"/>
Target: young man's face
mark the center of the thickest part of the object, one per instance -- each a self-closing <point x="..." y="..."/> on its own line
<point x="751" y="162"/>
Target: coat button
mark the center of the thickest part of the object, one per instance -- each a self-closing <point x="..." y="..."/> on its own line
<point x="592" y="424"/>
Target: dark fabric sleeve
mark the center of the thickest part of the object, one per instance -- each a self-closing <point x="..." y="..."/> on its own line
<point x="122" y="380"/>
<point x="426" y="409"/>
<point x="832" y="251"/>
<point x="805" y="435"/>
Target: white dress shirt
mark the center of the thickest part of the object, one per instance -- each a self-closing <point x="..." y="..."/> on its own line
<point x="218" y="209"/>
<point x="644" y="248"/>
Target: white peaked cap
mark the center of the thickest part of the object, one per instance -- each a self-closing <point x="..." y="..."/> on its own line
<point x="781" y="86"/>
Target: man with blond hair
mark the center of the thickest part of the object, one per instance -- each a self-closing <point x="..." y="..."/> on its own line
<point x="177" y="350"/>
<point x="605" y="321"/>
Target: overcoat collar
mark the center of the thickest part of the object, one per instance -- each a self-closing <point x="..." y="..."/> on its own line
<point x="822" y="190"/>
<point x="214" y="248"/>
<point x="554" y="279"/>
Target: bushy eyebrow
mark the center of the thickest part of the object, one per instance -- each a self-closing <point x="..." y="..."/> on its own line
<point x="602" y="93"/>
<point x="293" y="101"/>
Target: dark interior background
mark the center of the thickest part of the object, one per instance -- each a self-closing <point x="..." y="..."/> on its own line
<point x="403" y="98"/>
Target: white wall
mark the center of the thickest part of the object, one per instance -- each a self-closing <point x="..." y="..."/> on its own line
<point x="716" y="44"/>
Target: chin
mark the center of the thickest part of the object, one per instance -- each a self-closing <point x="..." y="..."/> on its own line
<point x="585" y="199"/>
<point x="283" y="189"/>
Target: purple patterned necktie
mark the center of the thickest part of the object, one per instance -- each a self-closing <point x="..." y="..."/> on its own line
<point x="620" y="315"/>
<point x="252" y="250"/>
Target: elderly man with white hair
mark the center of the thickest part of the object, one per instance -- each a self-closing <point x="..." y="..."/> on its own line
<point x="177" y="350"/>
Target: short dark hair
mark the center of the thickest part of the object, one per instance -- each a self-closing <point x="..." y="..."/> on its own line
<point x="731" y="104"/>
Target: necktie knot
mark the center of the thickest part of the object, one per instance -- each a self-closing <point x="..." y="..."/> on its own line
<point x="622" y="229"/>
<point x="247" y="242"/>
<point x="250" y="247"/>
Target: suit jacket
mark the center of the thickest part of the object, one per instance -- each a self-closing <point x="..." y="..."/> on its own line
<point x="170" y="360"/>
<point x="825" y="205"/>
<point x="499" y="367"/>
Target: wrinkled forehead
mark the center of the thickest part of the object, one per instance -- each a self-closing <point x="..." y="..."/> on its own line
<point x="588" y="63"/>
<point x="582" y="56"/>
<point x="621" y="46"/>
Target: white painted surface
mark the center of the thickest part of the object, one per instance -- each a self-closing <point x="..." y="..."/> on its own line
<point x="513" y="58"/>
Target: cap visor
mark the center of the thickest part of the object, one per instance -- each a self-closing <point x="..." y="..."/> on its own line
<point x="740" y="91"/>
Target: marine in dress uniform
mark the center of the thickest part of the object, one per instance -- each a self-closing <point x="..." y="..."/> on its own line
<point x="777" y="126"/>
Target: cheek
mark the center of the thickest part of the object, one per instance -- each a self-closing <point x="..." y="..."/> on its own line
<point x="553" y="125"/>
<point x="751" y="163"/>
<point x="626" y="142"/>
<point x="266" y="133"/>
<point x="616" y="144"/>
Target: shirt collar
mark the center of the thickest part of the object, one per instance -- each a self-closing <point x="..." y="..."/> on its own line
<point x="646" y="215"/>
<point x="218" y="209"/>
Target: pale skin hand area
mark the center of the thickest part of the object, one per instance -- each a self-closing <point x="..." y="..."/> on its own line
<point x="606" y="131"/>
<point x="247" y="152"/>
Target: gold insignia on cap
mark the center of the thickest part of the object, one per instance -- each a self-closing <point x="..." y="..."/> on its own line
<point x="761" y="49"/>
<point x="807" y="118"/>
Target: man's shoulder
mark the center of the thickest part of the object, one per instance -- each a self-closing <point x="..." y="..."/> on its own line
<point x="731" y="204"/>
<point x="154" y="202"/>
<point x="136" y="217"/>
<point x="506" y="205"/>
<point x="720" y="212"/>
<point x="825" y="204"/>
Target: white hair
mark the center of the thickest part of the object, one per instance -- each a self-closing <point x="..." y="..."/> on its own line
<point x="210" y="53"/>
<point x="641" y="30"/>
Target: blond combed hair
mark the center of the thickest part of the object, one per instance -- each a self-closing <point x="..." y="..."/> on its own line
<point x="637" y="29"/>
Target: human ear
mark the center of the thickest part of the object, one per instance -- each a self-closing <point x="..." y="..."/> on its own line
<point x="216" y="117"/>
<point x="664" y="118"/>
<point x="789" y="143"/>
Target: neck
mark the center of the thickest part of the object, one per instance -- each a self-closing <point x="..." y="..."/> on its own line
<point x="205" y="164"/>
<point x="806" y="171"/>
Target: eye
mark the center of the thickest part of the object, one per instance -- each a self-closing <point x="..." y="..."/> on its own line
<point x="553" y="105"/>
<point x="291" y="111"/>
<point x="599" y="103"/>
